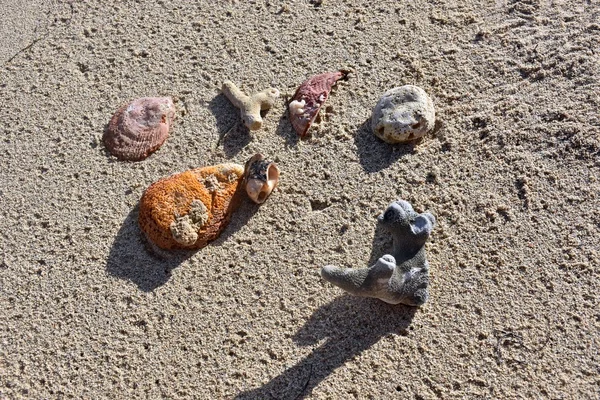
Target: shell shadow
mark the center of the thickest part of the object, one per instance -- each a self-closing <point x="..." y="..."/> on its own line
<point x="350" y="325"/>
<point x="133" y="258"/>
<point x="233" y="135"/>
<point x="374" y="154"/>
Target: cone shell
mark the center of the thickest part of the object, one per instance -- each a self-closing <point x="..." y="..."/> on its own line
<point x="139" y="128"/>
<point x="190" y="209"/>
<point x="309" y="98"/>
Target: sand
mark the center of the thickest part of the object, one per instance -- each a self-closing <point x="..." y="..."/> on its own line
<point x="511" y="173"/>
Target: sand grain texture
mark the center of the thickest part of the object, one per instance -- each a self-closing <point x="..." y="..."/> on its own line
<point x="511" y="173"/>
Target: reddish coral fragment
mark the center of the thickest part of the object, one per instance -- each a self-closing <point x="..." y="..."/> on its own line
<point x="309" y="98"/>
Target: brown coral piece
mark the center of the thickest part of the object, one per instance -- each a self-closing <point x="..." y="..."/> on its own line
<point x="139" y="128"/>
<point x="190" y="209"/>
<point x="309" y="98"/>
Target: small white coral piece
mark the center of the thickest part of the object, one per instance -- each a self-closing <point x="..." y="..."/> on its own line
<point x="185" y="228"/>
<point x="297" y="107"/>
<point x="250" y="106"/>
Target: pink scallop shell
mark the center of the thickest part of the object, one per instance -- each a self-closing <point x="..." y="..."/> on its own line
<point x="314" y="91"/>
<point x="139" y="128"/>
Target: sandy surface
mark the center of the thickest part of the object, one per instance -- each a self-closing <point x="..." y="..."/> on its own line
<point x="512" y="176"/>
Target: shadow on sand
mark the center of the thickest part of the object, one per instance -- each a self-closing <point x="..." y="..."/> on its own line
<point x="382" y="244"/>
<point x="286" y="130"/>
<point x="134" y="258"/>
<point x="233" y="135"/>
<point x="351" y="326"/>
<point x="374" y="154"/>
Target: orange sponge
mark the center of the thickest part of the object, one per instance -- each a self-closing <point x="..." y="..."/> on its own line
<point x="190" y="209"/>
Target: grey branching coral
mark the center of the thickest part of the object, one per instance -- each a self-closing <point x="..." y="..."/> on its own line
<point x="250" y="106"/>
<point x="399" y="278"/>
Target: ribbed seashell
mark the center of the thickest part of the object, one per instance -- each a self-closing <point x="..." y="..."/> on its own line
<point x="139" y="128"/>
<point x="262" y="176"/>
<point x="190" y="209"/>
<point x="309" y="98"/>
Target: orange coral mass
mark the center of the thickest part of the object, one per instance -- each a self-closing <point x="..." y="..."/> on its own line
<point x="171" y="197"/>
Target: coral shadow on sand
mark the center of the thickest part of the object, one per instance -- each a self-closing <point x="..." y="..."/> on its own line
<point x="373" y="153"/>
<point x="233" y="135"/>
<point x="382" y="244"/>
<point x="133" y="258"/>
<point x="286" y="130"/>
<point x="351" y="326"/>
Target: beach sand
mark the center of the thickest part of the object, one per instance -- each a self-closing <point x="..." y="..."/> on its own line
<point x="511" y="173"/>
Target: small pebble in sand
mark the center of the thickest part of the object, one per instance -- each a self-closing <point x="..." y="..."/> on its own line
<point x="401" y="277"/>
<point x="139" y="128"/>
<point x="250" y="106"/>
<point x="309" y="98"/>
<point x="403" y="114"/>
